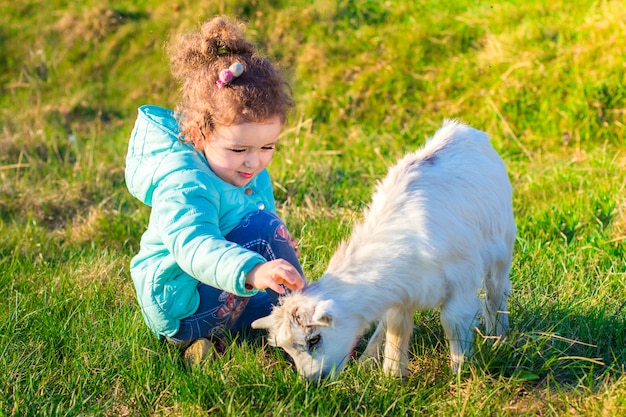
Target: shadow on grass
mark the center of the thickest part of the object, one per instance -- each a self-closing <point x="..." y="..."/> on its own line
<point x="544" y="343"/>
<point x="562" y="343"/>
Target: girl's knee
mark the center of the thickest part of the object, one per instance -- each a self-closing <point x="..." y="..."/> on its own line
<point x="265" y="233"/>
<point x="258" y="225"/>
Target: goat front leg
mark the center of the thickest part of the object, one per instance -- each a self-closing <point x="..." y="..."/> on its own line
<point x="399" y="330"/>
<point x="375" y="344"/>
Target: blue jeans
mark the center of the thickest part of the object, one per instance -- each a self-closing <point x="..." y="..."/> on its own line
<point x="220" y="311"/>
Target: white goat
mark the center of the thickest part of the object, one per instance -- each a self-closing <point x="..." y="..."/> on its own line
<point x="439" y="233"/>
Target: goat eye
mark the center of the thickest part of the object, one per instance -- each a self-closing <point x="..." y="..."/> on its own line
<point x="313" y="341"/>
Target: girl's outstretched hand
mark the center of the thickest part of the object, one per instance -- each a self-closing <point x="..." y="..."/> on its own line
<point x="272" y="274"/>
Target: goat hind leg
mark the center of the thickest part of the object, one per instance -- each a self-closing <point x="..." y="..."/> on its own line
<point x="459" y="317"/>
<point x="497" y="288"/>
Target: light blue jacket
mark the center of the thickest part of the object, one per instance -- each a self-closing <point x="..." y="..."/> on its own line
<point x="192" y="211"/>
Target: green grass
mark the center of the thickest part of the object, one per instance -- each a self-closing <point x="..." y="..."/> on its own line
<point x="372" y="80"/>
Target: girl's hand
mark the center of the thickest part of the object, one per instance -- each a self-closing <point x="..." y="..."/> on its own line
<point x="273" y="274"/>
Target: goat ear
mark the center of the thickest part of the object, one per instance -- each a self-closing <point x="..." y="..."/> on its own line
<point x="324" y="314"/>
<point x="266" y="323"/>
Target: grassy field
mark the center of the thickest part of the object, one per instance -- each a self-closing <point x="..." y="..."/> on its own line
<point x="372" y="80"/>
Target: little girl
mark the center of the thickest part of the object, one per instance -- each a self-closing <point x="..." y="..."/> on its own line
<point x="213" y="240"/>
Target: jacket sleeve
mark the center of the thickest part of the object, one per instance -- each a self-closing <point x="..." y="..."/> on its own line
<point x="185" y="209"/>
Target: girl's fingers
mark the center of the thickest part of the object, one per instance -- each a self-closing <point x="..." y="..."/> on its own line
<point x="277" y="288"/>
<point x="295" y="281"/>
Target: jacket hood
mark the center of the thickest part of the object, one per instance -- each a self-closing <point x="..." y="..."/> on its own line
<point x="155" y="151"/>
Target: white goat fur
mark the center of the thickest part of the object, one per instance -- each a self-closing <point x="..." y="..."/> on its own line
<point x="439" y="233"/>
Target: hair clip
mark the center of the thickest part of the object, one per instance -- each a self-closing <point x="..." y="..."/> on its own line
<point x="227" y="75"/>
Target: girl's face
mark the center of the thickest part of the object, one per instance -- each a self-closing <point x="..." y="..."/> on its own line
<point x="239" y="152"/>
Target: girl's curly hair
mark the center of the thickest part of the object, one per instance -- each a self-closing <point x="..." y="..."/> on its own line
<point x="259" y="94"/>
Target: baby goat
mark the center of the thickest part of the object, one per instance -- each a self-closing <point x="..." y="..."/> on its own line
<point x="439" y="233"/>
